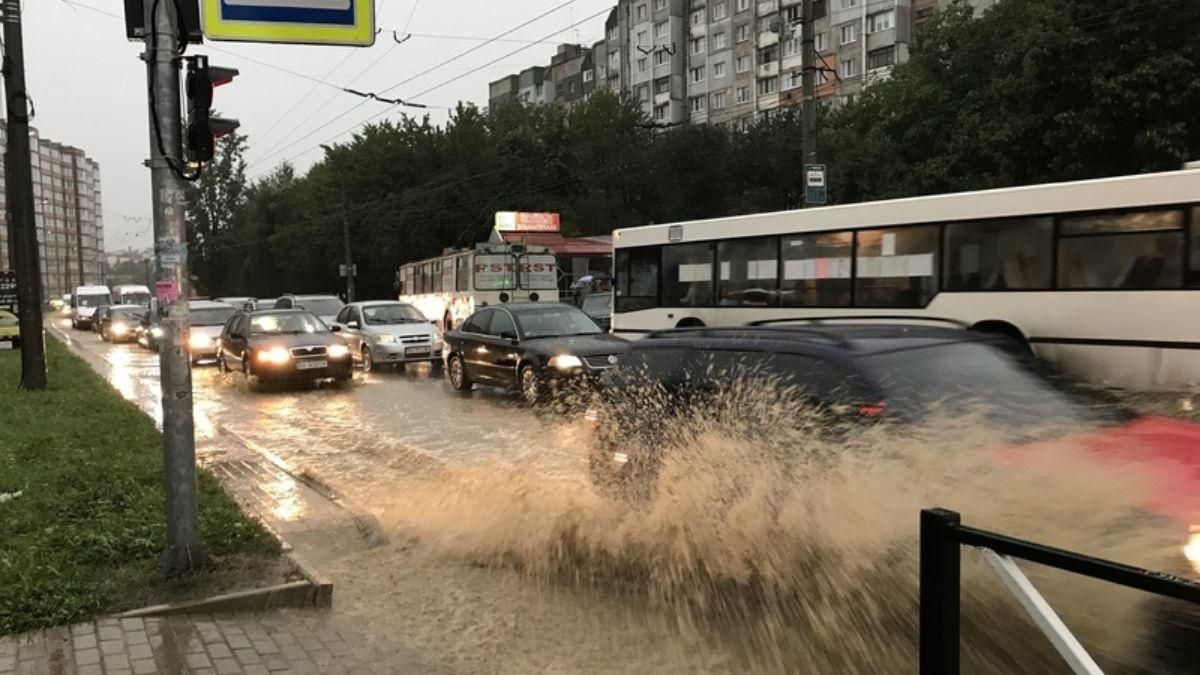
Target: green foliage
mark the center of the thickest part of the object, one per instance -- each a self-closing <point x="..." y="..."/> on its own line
<point x="1030" y="91"/>
<point x="214" y="204"/>
<point x="88" y="465"/>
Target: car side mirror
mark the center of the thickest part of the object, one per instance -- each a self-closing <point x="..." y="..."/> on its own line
<point x="508" y="335"/>
<point x="352" y="324"/>
<point x="335" y="328"/>
<point x="237" y="336"/>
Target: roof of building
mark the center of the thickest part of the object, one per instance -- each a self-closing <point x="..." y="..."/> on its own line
<point x="560" y="244"/>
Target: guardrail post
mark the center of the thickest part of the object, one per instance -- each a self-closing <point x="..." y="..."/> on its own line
<point x="940" y="573"/>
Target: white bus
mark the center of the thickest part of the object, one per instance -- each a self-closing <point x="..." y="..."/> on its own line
<point x="1099" y="276"/>
<point x="449" y="288"/>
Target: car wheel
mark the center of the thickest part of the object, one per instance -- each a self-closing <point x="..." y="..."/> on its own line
<point x="531" y="385"/>
<point x="104" y="335"/>
<point x="458" y="374"/>
<point x="368" y="361"/>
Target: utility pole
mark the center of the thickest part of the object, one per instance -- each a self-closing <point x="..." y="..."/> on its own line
<point x="808" y="111"/>
<point x="345" y="225"/>
<point x="185" y="551"/>
<point x="19" y="184"/>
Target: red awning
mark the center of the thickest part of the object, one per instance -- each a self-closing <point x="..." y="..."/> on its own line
<point x="560" y="244"/>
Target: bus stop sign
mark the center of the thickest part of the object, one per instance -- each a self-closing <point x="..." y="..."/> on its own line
<point x="315" y="22"/>
<point x="815" y="188"/>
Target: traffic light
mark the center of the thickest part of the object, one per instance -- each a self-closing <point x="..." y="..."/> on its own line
<point x="203" y="129"/>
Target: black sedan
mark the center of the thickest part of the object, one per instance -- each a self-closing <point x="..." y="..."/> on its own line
<point x="274" y="345"/>
<point x="119" y="323"/>
<point x="529" y="348"/>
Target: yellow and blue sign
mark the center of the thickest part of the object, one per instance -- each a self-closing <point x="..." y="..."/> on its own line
<point x="318" y="22"/>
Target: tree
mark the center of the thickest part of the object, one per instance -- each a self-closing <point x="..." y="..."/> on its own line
<point x="214" y="203"/>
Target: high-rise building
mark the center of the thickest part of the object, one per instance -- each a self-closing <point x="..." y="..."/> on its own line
<point x="68" y="213"/>
<point x="732" y="61"/>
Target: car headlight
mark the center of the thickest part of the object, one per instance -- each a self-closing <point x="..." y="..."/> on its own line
<point x="156" y="332"/>
<point x="1192" y="549"/>
<point x="339" y="351"/>
<point x="385" y="339"/>
<point x="200" y="342"/>
<point x="276" y="355"/>
<point x="566" y="362"/>
<point x="119" y="329"/>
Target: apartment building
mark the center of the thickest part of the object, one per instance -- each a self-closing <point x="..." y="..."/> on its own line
<point x="68" y="213"/>
<point x="733" y="61"/>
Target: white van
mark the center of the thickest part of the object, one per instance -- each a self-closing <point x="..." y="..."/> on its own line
<point x="131" y="295"/>
<point x="84" y="302"/>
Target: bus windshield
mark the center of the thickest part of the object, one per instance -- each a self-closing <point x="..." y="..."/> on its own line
<point x="95" y="300"/>
<point x="138" y="298"/>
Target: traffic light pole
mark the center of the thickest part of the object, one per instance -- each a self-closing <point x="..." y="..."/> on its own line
<point x="185" y="551"/>
<point x="19" y="184"/>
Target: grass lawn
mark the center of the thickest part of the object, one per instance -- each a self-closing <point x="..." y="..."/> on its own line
<point x="84" y="536"/>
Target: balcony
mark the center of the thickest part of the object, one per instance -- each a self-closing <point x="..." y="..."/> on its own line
<point x="767" y="39"/>
<point x="770" y="69"/>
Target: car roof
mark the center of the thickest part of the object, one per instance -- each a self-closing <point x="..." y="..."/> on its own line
<point x="126" y="308"/>
<point x="208" y="304"/>
<point x="315" y="296"/>
<point x="852" y="339"/>
<point x="272" y="310"/>
<point x="528" y="307"/>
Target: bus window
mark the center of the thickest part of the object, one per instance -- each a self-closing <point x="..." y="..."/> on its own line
<point x="637" y="278"/>
<point x="999" y="255"/>
<point x="749" y="272"/>
<point x="1194" y="270"/>
<point x="463" y="278"/>
<point x="896" y="267"/>
<point x="688" y="275"/>
<point x="1095" y="252"/>
<point x="816" y="270"/>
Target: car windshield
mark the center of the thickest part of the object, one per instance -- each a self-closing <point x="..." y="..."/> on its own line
<point x="952" y="377"/>
<point x="321" y="306"/>
<point x="597" y="304"/>
<point x="93" y="300"/>
<point x="556" y="322"/>
<point x="135" y="298"/>
<point x="210" y="316"/>
<point x="286" y="324"/>
<point x="126" y="316"/>
<point x="382" y="315"/>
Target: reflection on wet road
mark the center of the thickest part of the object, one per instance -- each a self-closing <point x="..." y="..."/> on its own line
<point x="387" y="423"/>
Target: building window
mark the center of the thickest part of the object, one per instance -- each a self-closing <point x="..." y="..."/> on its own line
<point x="848" y="68"/>
<point x="614" y="60"/>
<point x="660" y="29"/>
<point x="793" y="47"/>
<point x="696" y="103"/>
<point x="743" y="33"/>
<point x="849" y="33"/>
<point x="881" y="21"/>
<point x="749" y="272"/>
<point x="688" y="275"/>
<point x="999" y="255"/>
<point x="720" y="41"/>
<point x="662" y="85"/>
<point x="643" y="38"/>
<point x="768" y="55"/>
<point x="718" y="11"/>
<point x="1140" y="250"/>
<point x="768" y="86"/>
<point x="719" y="100"/>
<point x="660" y="4"/>
<point x="641" y="12"/>
<point x="819" y="42"/>
<point x="696" y="74"/>
<point x="698" y="45"/>
<point x="642" y="65"/>
<point x="718" y="69"/>
<point x="742" y="95"/>
<point x="660" y="112"/>
<point x="847" y="4"/>
<point x="793" y="79"/>
<point x="741" y="64"/>
<point x="743" y="5"/>
<point x="881" y="58"/>
<point x="612" y="33"/>
<point x="816" y="270"/>
<point x="662" y="57"/>
<point x="896" y="267"/>
<point x="539" y="90"/>
<point x="794" y="14"/>
<point x="644" y="93"/>
<point x="698" y="17"/>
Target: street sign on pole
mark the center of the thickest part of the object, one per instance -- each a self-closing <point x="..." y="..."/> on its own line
<point x="8" y="291"/>
<point x="319" y="22"/>
<point x="815" y="188"/>
<point x="347" y="270"/>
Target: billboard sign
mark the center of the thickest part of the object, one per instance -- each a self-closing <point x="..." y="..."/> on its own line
<point x="314" y="22"/>
<point x="514" y="221"/>
<point x="8" y="291"/>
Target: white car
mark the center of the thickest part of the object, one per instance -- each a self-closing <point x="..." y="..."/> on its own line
<point x="206" y="319"/>
<point x="324" y="306"/>
<point x="387" y="332"/>
<point x="84" y="302"/>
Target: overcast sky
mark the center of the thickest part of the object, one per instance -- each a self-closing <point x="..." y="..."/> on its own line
<point x="89" y="87"/>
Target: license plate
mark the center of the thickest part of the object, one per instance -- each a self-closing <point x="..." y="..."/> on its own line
<point x="311" y="365"/>
<point x="417" y="351"/>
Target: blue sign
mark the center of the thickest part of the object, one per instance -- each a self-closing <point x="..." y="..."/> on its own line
<point x="328" y="22"/>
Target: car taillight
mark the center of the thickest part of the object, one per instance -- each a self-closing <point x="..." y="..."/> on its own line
<point x="872" y="409"/>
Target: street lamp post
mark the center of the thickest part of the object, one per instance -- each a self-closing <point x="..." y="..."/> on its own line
<point x="345" y="225"/>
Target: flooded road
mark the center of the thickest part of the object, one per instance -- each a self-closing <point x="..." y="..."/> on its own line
<point x="504" y="559"/>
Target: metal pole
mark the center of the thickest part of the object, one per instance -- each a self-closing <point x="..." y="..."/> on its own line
<point x="345" y="224"/>
<point x="940" y="573"/>
<point x="19" y="184"/>
<point x="809" y="59"/>
<point x="185" y="552"/>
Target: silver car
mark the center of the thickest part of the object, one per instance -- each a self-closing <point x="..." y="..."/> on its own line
<point x="387" y="332"/>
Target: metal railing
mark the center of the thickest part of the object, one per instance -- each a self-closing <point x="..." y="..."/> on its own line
<point x="943" y="535"/>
